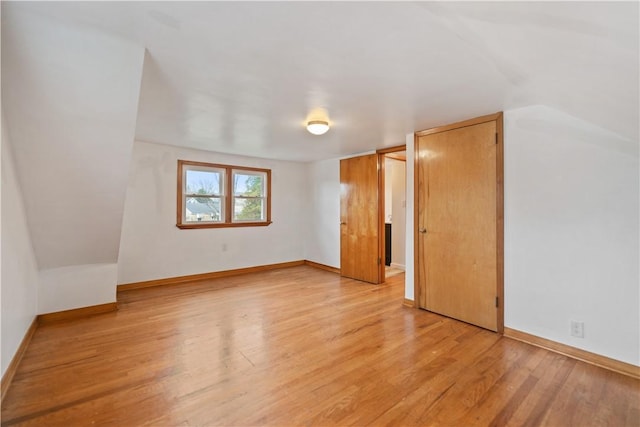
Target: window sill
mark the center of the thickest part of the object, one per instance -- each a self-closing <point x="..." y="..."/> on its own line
<point x="223" y="225"/>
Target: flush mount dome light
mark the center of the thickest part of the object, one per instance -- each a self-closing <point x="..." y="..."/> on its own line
<point x="318" y="127"/>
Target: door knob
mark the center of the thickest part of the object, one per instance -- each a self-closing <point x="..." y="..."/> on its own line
<point x="423" y="230"/>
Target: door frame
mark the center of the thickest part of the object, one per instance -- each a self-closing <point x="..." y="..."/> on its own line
<point x="381" y="199"/>
<point x="498" y="118"/>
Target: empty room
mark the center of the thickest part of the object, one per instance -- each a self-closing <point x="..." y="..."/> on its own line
<point x="320" y="213"/>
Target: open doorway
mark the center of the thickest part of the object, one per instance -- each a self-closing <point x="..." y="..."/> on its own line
<point x="393" y="209"/>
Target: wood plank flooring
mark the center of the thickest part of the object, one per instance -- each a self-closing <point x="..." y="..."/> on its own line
<point x="299" y="346"/>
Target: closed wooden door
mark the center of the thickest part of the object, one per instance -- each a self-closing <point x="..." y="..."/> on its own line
<point x="359" y="234"/>
<point x="458" y="234"/>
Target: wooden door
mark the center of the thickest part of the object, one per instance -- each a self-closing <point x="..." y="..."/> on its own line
<point x="459" y="265"/>
<point x="359" y="231"/>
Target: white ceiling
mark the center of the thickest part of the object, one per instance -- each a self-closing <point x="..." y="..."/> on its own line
<point x="78" y="86"/>
<point x="241" y="77"/>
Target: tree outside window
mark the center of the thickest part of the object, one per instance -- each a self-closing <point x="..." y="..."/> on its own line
<point x="213" y="195"/>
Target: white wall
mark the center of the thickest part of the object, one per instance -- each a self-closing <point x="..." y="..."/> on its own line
<point x="19" y="278"/>
<point x="409" y="242"/>
<point x="76" y="286"/>
<point x="152" y="247"/>
<point x="388" y="190"/>
<point x="571" y="232"/>
<point x="71" y="102"/>
<point x="398" y="212"/>
<point x="323" y="233"/>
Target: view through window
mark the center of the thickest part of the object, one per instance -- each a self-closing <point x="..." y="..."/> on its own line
<point x="212" y="195"/>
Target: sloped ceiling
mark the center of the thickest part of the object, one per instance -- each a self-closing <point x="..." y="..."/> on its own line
<point x="70" y="97"/>
<point x="242" y="77"/>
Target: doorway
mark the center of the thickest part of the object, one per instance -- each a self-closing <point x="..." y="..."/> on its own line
<point x="392" y="207"/>
<point x="362" y="215"/>
<point x="395" y="202"/>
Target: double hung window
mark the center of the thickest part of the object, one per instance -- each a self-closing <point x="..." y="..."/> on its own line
<point x="212" y="195"/>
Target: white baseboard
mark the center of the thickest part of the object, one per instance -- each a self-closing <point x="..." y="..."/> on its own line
<point x="398" y="266"/>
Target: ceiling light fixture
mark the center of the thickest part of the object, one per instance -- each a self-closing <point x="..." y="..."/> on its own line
<point x="317" y="127"/>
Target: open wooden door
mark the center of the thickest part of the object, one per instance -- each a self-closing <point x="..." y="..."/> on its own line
<point x="459" y="221"/>
<point x="359" y="231"/>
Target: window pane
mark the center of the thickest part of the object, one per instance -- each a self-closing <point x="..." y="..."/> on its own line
<point x="250" y="184"/>
<point x="215" y="195"/>
<point x="203" y="209"/>
<point x="201" y="182"/>
<point x="248" y="209"/>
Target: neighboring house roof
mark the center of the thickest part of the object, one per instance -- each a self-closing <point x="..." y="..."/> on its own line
<point x="196" y="207"/>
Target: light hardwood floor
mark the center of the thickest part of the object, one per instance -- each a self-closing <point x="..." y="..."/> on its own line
<point x="299" y="346"/>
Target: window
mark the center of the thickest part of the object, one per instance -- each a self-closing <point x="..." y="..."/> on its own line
<point x="211" y="195"/>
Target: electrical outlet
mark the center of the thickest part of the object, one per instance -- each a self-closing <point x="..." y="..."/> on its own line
<point x="224" y="247"/>
<point x="577" y="329"/>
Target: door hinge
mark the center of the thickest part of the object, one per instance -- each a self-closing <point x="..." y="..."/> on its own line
<point x="379" y="261"/>
<point x="496" y="138"/>
<point x="497" y="302"/>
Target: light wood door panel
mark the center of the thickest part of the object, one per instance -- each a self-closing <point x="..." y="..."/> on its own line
<point x="457" y="220"/>
<point x="359" y="231"/>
